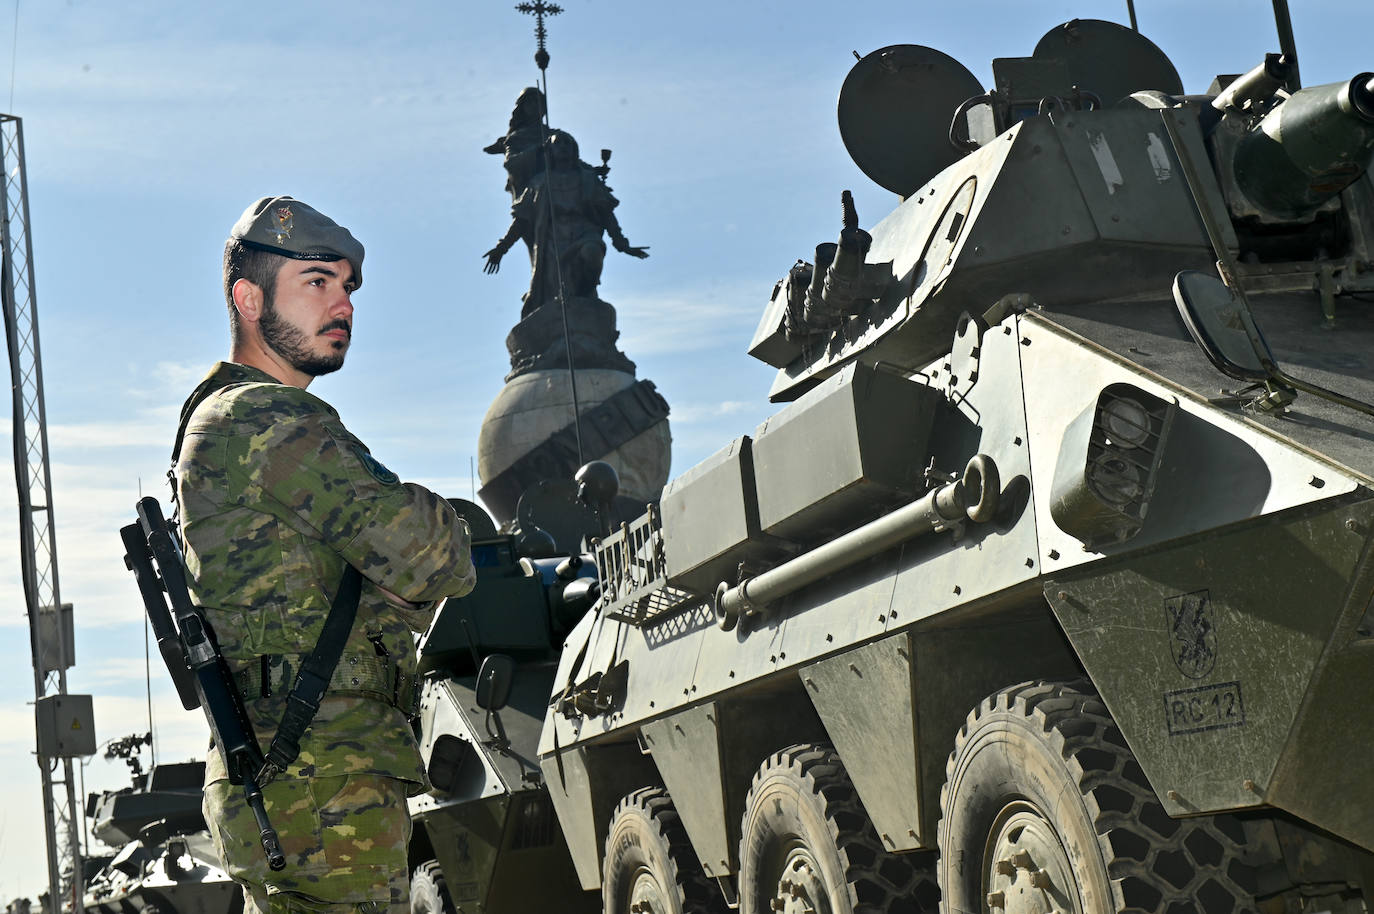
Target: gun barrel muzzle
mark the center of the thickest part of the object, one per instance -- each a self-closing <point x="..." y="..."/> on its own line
<point x="1309" y="148"/>
<point x="1257" y="86"/>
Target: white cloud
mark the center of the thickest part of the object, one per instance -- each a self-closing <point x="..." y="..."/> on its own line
<point x="714" y="317"/>
<point x="91" y="435"/>
<point x="693" y="413"/>
<point x="112" y="671"/>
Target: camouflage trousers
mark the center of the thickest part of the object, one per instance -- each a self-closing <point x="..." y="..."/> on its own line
<point x="344" y="839"/>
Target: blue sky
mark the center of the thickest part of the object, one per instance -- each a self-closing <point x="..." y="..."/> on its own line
<point x="150" y="125"/>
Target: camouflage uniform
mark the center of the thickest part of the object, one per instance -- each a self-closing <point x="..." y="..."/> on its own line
<point x="275" y="495"/>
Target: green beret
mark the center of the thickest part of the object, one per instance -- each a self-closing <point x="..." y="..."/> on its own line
<point x="286" y="226"/>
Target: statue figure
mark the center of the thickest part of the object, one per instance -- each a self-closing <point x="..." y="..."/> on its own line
<point x="520" y="145"/>
<point x="567" y="207"/>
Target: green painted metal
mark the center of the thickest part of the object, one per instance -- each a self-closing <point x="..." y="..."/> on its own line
<point x="1207" y="650"/>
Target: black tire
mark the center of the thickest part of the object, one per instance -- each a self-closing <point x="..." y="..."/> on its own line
<point x="806" y="845"/>
<point x="428" y="890"/>
<point x="1046" y="807"/>
<point x="650" y="867"/>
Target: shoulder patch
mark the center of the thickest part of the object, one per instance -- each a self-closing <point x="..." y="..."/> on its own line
<point x="375" y="467"/>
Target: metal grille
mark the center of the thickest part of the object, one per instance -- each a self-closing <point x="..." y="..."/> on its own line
<point x="37" y="541"/>
<point x="534" y="823"/>
<point x="1126" y="446"/>
<point x="630" y="565"/>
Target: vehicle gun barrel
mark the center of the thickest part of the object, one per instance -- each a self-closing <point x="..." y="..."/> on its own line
<point x="972" y="497"/>
<point x="1309" y="148"/>
<point x="1257" y="86"/>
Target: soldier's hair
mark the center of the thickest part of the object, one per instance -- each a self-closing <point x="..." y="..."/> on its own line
<point x="257" y="266"/>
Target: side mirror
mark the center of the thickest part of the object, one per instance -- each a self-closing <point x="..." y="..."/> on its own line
<point x="494" y="681"/>
<point x="1223" y="327"/>
<point x="1219" y="319"/>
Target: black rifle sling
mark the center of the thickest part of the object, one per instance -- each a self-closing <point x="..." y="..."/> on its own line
<point x="312" y="680"/>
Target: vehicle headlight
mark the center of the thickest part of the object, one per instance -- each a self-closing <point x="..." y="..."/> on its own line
<point x="1108" y="462"/>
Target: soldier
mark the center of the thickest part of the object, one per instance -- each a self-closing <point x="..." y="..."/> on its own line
<point x="276" y="498"/>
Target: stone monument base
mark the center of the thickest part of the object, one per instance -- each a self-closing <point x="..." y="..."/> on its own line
<point x="526" y="435"/>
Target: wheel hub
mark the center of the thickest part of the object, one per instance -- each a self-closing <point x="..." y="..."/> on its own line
<point x="800" y="887"/>
<point x="1027" y="870"/>
<point x="646" y="896"/>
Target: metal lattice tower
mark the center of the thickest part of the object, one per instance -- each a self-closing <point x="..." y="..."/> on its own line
<point x="36" y="534"/>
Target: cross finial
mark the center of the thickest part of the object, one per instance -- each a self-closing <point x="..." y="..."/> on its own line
<point x="540" y="9"/>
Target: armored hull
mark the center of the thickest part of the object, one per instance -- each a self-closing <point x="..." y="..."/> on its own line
<point x="164" y="860"/>
<point x="1050" y="586"/>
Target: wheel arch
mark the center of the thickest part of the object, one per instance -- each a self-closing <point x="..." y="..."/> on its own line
<point x="709" y="752"/>
<point x="892" y="707"/>
<point x="586" y="783"/>
<point x="420" y="848"/>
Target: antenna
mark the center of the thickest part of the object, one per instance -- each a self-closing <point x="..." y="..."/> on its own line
<point x="1287" y="44"/>
<point x="539" y="9"/>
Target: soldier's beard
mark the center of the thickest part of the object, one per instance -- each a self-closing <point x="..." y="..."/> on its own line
<point x="292" y="344"/>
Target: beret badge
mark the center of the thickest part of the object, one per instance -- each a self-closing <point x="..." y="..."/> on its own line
<point x="282" y="223"/>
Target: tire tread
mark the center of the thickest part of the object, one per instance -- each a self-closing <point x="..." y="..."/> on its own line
<point x="697" y="893"/>
<point x="879" y="881"/>
<point x="431" y="871"/>
<point x="1169" y="874"/>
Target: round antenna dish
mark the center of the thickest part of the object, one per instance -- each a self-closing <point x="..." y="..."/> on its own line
<point x="1109" y="60"/>
<point x="895" y="108"/>
<point x="553" y="507"/>
<point x="479" y="521"/>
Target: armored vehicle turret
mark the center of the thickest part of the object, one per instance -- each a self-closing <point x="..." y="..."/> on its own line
<point x="162" y="858"/>
<point x="1049" y="585"/>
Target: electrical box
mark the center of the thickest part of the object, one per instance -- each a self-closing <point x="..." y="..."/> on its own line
<point x="57" y="638"/>
<point x="66" y="726"/>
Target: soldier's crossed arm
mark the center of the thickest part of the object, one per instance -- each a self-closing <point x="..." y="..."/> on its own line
<point x="400" y="535"/>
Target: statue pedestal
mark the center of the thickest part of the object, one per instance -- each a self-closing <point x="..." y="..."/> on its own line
<point x="526" y="435"/>
<point x="537" y="342"/>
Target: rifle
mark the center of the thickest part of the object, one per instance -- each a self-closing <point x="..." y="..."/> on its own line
<point x="193" y="658"/>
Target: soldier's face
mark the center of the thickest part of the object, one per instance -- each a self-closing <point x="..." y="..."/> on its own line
<point x="308" y="321"/>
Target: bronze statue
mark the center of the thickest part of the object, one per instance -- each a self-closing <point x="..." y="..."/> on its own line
<point x="520" y="146"/>
<point x="561" y="215"/>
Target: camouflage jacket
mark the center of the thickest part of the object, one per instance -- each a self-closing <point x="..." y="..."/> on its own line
<point x="275" y="495"/>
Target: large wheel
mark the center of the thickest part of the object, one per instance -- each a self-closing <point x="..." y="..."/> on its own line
<point x="650" y="867"/>
<point x="1045" y="809"/>
<point x="428" y="890"/>
<point x="808" y="847"/>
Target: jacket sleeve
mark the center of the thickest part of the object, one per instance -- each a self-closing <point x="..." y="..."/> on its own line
<point x="325" y="482"/>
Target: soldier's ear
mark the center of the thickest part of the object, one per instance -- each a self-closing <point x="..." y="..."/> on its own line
<point x="247" y="300"/>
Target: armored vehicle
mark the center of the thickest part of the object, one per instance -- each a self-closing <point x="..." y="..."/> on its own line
<point x="485" y="837"/>
<point x="163" y="859"/>
<point x="1049" y="588"/>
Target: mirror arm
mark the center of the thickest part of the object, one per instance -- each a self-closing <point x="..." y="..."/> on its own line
<point x="1325" y="393"/>
<point x="498" y="740"/>
<point x="1226" y="266"/>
